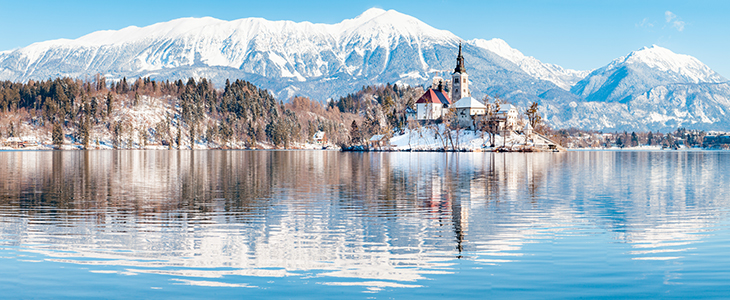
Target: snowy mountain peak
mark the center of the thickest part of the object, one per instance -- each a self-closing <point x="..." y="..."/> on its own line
<point x="371" y="23"/>
<point x="382" y="16"/>
<point x="371" y="13"/>
<point x="376" y="22"/>
<point x="501" y="48"/>
<point x="658" y="56"/>
<point x="355" y="22"/>
<point x="687" y="68"/>
<point x="641" y="71"/>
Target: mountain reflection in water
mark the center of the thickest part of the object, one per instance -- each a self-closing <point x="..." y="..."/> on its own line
<point x="384" y="220"/>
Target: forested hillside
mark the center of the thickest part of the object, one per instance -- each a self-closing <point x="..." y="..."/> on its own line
<point x="181" y="115"/>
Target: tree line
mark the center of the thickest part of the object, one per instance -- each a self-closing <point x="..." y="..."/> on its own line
<point x="174" y="114"/>
<point x="682" y="137"/>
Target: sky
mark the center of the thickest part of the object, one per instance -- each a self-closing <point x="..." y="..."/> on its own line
<point x="575" y="34"/>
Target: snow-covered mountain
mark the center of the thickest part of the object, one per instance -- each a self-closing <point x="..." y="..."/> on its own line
<point x="667" y="107"/>
<point x="640" y="71"/>
<point x="277" y="52"/>
<point x="652" y="88"/>
<point x="317" y="60"/>
<point x="649" y="89"/>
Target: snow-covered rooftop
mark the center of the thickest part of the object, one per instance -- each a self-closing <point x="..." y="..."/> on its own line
<point x="469" y="102"/>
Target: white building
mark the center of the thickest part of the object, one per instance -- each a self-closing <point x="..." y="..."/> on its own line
<point x="320" y="137"/>
<point x="432" y="105"/>
<point x="466" y="109"/>
<point x="411" y="114"/>
<point x="511" y="115"/>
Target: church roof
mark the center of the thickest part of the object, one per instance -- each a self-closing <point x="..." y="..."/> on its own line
<point x="434" y="96"/>
<point x="469" y="102"/>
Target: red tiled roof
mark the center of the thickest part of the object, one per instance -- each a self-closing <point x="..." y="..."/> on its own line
<point x="434" y="96"/>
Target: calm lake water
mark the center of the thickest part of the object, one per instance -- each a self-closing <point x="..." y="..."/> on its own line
<point x="323" y="224"/>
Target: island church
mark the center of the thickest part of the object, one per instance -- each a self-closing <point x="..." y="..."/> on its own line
<point x="436" y="102"/>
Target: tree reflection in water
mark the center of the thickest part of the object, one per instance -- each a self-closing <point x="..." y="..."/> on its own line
<point x="371" y="216"/>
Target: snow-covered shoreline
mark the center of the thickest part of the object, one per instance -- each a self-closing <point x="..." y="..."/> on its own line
<point x="438" y="138"/>
<point x="433" y="138"/>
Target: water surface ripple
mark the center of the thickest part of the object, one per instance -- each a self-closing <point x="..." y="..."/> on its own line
<point x="323" y="224"/>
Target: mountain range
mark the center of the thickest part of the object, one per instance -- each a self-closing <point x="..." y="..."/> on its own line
<point x="648" y="89"/>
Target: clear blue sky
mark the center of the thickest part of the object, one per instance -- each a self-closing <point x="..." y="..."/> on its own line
<point x="576" y="34"/>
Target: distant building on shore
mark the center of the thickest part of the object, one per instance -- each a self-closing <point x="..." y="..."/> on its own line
<point x="17" y="142"/>
<point x="320" y="137"/>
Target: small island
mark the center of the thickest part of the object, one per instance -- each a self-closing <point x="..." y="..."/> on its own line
<point x="459" y="122"/>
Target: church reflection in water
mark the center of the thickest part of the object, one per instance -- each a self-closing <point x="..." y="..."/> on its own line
<point x="375" y="216"/>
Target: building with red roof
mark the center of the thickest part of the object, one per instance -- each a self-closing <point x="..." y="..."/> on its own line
<point x="432" y="105"/>
<point x="435" y="102"/>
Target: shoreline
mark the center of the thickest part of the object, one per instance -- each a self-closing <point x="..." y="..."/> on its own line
<point x="493" y="150"/>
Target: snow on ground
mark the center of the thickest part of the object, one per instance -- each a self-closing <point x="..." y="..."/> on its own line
<point x="437" y="138"/>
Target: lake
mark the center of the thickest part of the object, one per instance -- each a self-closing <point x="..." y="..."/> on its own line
<point x="325" y="224"/>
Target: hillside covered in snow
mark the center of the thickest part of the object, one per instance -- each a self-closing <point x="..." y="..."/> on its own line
<point x="64" y="113"/>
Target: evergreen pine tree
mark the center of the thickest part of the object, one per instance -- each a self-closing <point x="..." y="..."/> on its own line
<point x="192" y="137"/>
<point x="354" y="133"/>
<point x="178" y="139"/>
<point x="634" y="139"/>
<point x="650" y="138"/>
<point x="85" y="132"/>
<point x="109" y="104"/>
<point x="57" y="135"/>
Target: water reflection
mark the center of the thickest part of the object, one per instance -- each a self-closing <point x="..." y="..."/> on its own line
<point x="387" y="219"/>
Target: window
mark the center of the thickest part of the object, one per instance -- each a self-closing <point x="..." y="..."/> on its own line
<point x="464" y="80"/>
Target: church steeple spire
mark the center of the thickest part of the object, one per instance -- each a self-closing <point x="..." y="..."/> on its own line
<point x="460" y="62"/>
<point x="459" y="80"/>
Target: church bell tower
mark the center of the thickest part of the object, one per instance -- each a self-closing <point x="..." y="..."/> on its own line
<point x="459" y="80"/>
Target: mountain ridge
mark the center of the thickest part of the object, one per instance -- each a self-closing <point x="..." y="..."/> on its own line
<point x="641" y="70"/>
<point x="379" y="46"/>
